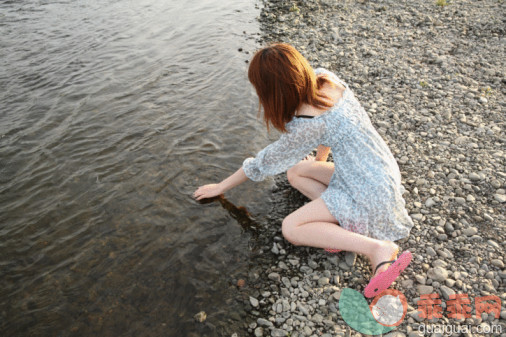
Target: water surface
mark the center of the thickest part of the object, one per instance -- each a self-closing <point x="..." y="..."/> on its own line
<point x="113" y="113"/>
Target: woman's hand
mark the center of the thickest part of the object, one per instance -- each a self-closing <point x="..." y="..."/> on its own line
<point x="213" y="190"/>
<point x="322" y="153"/>
<point x="208" y="191"/>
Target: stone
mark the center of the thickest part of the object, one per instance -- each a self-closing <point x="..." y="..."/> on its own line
<point x="259" y="332"/>
<point x="395" y="334"/>
<point x="264" y="322"/>
<point x="423" y="289"/>
<point x="407" y="283"/>
<point x="415" y="314"/>
<point x="253" y="301"/>
<point x="500" y="197"/>
<point x="350" y="258"/>
<point x="474" y="176"/>
<point x="470" y="231"/>
<point x="317" y="318"/>
<point x="274" y="277"/>
<point x="322" y="281"/>
<point x="279" y="333"/>
<point x="446" y="291"/>
<point x="437" y="273"/>
<point x="430" y="251"/>
<point x="429" y="202"/>
<point x="420" y="279"/>
<point x="498" y="263"/>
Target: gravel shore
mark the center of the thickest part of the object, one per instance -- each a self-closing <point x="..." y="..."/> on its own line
<point x="432" y="77"/>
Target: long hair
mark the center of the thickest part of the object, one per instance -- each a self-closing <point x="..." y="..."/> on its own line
<point x="284" y="80"/>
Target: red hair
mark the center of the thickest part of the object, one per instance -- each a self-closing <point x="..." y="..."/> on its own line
<point x="284" y="80"/>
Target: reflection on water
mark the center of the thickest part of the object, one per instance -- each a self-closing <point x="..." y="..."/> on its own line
<point x="240" y="214"/>
<point x="113" y="112"/>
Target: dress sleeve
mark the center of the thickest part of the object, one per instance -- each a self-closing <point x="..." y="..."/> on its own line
<point x="301" y="138"/>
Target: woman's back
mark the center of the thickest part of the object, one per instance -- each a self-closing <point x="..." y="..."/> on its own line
<point x="366" y="185"/>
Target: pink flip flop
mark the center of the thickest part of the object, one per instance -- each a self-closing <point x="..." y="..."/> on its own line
<point x="333" y="251"/>
<point x="384" y="279"/>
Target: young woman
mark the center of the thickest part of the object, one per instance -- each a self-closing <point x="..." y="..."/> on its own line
<point x="356" y="202"/>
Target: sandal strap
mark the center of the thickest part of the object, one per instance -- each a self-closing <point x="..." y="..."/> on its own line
<point x="382" y="263"/>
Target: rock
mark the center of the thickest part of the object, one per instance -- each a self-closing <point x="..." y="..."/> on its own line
<point x="500" y="197"/>
<point x="395" y="334"/>
<point x="498" y="263"/>
<point x="460" y="200"/>
<point x="253" y="301"/>
<point x="439" y="263"/>
<point x="200" y="316"/>
<point x="264" y="322"/>
<point x="430" y="251"/>
<point x="317" y="318"/>
<point x="286" y="282"/>
<point x="259" y="332"/>
<point x="429" y="202"/>
<point x="423" y="289"/>
<point x="449" y="282"/>
<point x="496" y="184"/>
<point x="274" y="277"/>
<point x="350" y="258"/>
<point x="446" y="291"/>
<point x="474" y="176"/>
<point x="312" y="264"/>
<point x="437" y="273"/>
<point x="415" y="314"/>
<point x="407" y="283"/>
<point x="279" y="333"/>
<point x="494" y="244"/>
<point x="470" y="231"/>
<point x="322" y="281"/>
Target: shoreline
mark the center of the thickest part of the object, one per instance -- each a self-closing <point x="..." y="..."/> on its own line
<point x="421" y="71"/>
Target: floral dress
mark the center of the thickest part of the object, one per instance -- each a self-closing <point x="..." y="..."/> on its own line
<point x="365" y="192"/>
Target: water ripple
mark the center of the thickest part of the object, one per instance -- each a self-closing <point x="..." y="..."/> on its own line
<point x="113" y="113"/>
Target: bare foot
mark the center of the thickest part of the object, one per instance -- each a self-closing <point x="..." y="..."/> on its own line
<point x="386" y="251"/>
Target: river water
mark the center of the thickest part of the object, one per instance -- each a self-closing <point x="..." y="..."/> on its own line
<point x="112" y="114"/>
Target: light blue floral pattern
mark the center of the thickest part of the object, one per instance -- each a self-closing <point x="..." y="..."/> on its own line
<point x="365" y="191"/>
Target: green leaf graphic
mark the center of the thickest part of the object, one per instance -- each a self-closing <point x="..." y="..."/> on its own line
<point x="356" y="313"/>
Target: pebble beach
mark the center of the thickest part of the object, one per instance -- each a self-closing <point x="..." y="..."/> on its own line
<point x="431" y="75"/>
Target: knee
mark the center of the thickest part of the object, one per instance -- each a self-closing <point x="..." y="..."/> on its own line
<point x="288" y="228"/>
<point x="292" y="175"/>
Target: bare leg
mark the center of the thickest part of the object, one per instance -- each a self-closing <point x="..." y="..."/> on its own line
<point x="313" y="225"/>
<point x="311" y="178"/>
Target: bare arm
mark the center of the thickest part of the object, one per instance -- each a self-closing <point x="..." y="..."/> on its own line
<point x="212" y="190"/>
<point x="322" y="152"/>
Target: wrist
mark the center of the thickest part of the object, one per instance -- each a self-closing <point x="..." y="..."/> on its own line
<point x="222" y="187"/>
